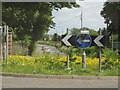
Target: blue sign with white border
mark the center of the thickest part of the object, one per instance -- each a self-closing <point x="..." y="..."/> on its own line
<point x="83" y="40"/>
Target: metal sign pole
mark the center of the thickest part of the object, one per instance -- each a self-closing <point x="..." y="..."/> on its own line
<point x="100" y="59"/>
<point x="84" y="59"/>
<point x="68" y="66"/>
<point x="84" y="54"/>
<point x="83" y="40"/>
<point x="100" y="55"/>
<point x="68" y="61"/>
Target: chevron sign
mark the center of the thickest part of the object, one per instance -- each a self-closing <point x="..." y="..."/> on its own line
<point x="68" y="40"/>
<point x="100" y="41"/>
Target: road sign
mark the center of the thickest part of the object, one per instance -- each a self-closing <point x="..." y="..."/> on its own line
<point x="65" y="40"/>
<point x="97" y="41"/>
<point x="100" y="41"/>
<point x="72" y="40"/>
<point x="83" y="40"/>
<point x="68" y="40"/>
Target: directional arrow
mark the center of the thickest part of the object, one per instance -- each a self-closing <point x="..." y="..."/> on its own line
<point x="65" y="40"/>
<point x="69" y="40"/>
<point x="97" y="41"/>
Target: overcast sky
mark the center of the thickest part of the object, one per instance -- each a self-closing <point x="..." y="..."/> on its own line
<point x="70" y="18"/>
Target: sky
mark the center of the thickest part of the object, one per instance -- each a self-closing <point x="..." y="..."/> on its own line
<point x="71" y="18"/>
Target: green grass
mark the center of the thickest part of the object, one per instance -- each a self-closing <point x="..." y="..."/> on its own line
<point x="107" y="72"/>
<point x="44" y="70"/>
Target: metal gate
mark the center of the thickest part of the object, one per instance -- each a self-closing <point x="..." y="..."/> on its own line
<point x="5" y="43"/>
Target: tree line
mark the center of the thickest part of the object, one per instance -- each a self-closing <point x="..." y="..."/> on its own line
<point x="30" y="21"/>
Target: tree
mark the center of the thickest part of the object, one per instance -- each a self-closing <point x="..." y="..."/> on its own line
<point x="111" y="13"/>
<point x="29" y="21"/>
<point x="56" y="37"/>
<point x="76" y="31"/>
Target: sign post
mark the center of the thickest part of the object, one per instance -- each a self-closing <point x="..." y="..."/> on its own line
<point x="65" y="41"/>
<point x="100" y="59"/>
<point x="100" y="54"/>
<point x="68" y="61"/>
<point x="83" y="40"/>
<point x="84" y="59"/>
<point x="99" y="44"/>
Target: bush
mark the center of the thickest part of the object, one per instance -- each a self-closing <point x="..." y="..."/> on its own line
<point x="18" y="49"/>
<point x="112" y="60"/>
<point x="90" y="51"/>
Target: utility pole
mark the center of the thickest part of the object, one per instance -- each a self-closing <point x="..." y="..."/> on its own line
<point x="67" y="31"/>
<point x="81" y="19"/>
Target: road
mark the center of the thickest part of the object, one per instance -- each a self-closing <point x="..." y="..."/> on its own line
<point x="15" y="82"/>
<point x="49" y="49"/>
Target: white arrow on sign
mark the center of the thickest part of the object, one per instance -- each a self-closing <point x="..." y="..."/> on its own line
<point x="97" y="41"/>
<point x="65" y="40"/>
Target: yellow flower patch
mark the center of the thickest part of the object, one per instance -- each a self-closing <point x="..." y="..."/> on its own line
<point x="23" y="60"/>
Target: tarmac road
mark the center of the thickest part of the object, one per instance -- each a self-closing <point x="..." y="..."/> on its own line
<point x="41" y="49"/>
<point x="21" y="82"/>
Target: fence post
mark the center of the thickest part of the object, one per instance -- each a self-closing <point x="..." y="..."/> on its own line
<point x="1" y="49"/>
<point x="6" y="44"/>
<point x="9" y="43"/>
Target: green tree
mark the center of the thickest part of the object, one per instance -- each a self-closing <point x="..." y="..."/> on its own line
<point x="56" y="37"/>
<point x="76" y="31"/>
<point x="111" y="13"/>
<point x="29" y="21"/>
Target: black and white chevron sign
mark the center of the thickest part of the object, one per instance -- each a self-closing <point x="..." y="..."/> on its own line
<point x="100" y="41"/>
<point x="68" y="40"/>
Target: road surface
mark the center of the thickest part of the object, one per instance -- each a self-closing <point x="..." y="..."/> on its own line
<point x="17" y="82"/>
<point x="42" y="49"/>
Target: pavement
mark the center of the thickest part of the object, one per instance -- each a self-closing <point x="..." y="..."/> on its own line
<point x="61" y="76"/>
<point x="57" y="81"/>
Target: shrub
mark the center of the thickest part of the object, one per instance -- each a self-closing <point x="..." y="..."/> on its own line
<point x="112" y="60"/>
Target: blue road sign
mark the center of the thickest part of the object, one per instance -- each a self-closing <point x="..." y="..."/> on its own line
<point x="83" y="40"/>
